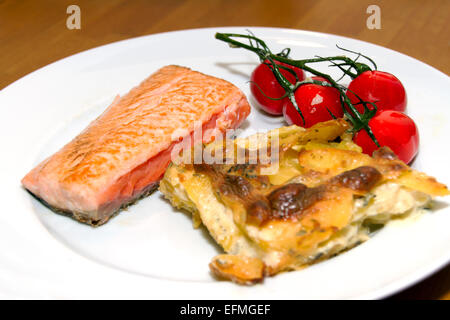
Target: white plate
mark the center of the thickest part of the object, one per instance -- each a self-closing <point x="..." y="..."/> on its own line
<point x="152" y="251"/>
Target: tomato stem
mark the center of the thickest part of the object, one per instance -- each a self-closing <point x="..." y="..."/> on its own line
<point x="360" y="54"/>
<point x="358" y="120"/>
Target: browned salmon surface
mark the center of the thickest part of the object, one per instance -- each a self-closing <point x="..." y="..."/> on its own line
<point x="123" y="153"/>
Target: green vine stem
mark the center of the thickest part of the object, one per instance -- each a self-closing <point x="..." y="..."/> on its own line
<point x="358" y="120"/>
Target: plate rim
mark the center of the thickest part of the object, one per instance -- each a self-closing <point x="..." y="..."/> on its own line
<point x="312" y="32"/>
<point x="388" y="290"/>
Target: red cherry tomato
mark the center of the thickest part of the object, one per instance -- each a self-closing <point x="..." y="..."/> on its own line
<point x="394" y="130"/>
<point x="263" y="77"/>
<point x="379" y="87"/>
<point x="313" y="100"/>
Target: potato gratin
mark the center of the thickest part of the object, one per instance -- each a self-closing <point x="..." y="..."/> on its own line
<point x="326" y="197"/>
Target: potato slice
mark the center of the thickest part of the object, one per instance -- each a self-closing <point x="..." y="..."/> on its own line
<point x="239" y="269"/>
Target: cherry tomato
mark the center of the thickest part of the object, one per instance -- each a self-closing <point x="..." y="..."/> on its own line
<point x="394" y="130"/>
<point x="263" y="77"/>
<point x="379" y="87"/>
<point x="313" y="100"/>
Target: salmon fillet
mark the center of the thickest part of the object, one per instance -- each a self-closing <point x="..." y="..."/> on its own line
<point x="122" y="154"/>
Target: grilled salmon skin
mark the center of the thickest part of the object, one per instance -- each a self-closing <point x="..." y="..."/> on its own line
<point x="122" y="154"/>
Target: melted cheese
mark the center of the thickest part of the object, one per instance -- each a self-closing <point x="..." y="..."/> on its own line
<point x="338" y="221"/>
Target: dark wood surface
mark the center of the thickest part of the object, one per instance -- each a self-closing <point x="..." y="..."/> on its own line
<point x="33" y="34"/>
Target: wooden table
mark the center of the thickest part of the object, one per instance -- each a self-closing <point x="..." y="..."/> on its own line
<point x="34" y="34"/>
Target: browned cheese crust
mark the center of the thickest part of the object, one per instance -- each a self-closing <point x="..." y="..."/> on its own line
<point x="318" y="203"/>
